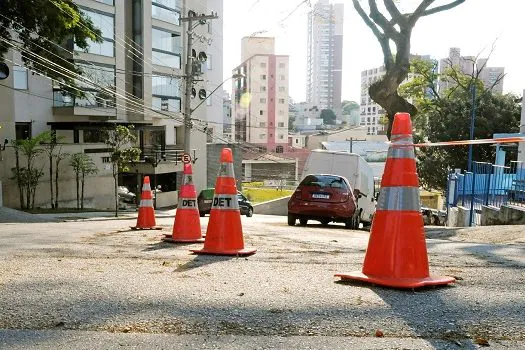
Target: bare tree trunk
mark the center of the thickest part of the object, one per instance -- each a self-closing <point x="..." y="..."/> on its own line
<point x="18" y="180"/>
<point x="51" y="180"/>
<point x="56" y="181"/>
<point x="78" y="193"/>
<point x="115" y="179"/>
<point x="82" y="193"/>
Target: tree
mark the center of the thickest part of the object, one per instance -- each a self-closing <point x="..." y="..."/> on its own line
<point x="82" y="165"/>
<point x="328" y="116"/>
<point x="28" y="177"/>
<point x="122" y="154"/>
<point x="32" y="27"/>
<point x="446" y="114"/>
<point x="54" y="153"/>
<point x="349" y="106"/>
<point x="395" y="28"/>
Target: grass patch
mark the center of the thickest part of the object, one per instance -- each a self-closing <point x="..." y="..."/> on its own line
<point x="258" y="195"/>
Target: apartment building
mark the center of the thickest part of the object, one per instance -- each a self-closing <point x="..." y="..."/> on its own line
<point x="325" y="56"/>
<point x="260" y="98"/>
<point x="492" y="77"/>
<point x="141" y="62"/>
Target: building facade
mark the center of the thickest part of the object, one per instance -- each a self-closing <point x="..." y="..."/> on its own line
<point x="492" y="77"/>
<point x="325" y="56"/>
<point x="260" y="98"/>
<point x="133" y="77"/>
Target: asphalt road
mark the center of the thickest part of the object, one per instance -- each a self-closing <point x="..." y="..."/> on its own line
<point x="96" y="284"/>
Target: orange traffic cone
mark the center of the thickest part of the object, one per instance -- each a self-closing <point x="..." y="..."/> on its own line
<point x="224" y="233"/>
<point x="397" y="253"/>
<point x="146" y="218"/>
<point x="187" y="226"/>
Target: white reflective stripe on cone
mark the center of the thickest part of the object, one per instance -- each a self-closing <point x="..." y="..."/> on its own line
<point x="185" y="203"/>
<point x="146" y="187"/>
<point x="226" y="170"/>
<point x="401" y="152"/>
<point x="399" y="198"/>
<point x="225" y="201"/>
<point x="146" y="203"/>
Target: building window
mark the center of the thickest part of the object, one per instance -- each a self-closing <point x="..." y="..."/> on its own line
<point x="281" y="136"/>
<point x="209" y="135"/>
<point x="23" y="131"/>
<point x="261" y="112"/>
<point x="166" y="48"/>
<point x="103" y="77"/>
<point x="262" y="100"/>
<point x="279" y="149"/>
<point x="165" y="10"/>
<point x="282" y="77"/>
<point x="166" y="93"/>
<point x="106" y="24"/>
<point x="263" y="64"/>
<point x="282" y="89"/>
<point x="296" y="140"/>
<point x="20" y="78"/>
<point x="262" y="136"/>
<point x="280" y="125"/>
<point x="94" y="136"/>
<point x="281" y="112"/>
<point x="263" y="88"/>
<point x="281" y="100"/>
<point x="262" y="124"/>
<point x="263" y="76"/>
<point x="282" y="65"/>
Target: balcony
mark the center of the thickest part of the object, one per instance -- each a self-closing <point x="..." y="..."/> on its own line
<point x="94" y="103"/>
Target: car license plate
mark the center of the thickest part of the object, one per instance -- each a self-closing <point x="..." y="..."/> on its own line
<point x="320" y="196"/>
<point x="207" y="201"/>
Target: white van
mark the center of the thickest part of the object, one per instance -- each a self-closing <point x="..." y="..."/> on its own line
<point x="351" y="166"/>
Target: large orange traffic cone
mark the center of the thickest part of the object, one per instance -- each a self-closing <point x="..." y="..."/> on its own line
<point x="187" y="226"/>
<point x="224" y="233"/>
<point x="146" y="218"/>
<point x="397" y="253"/>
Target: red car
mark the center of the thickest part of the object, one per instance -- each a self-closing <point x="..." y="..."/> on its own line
<point x="325" y="198"/>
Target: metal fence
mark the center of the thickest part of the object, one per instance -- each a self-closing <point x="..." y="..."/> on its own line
<point x="487" y="185"/>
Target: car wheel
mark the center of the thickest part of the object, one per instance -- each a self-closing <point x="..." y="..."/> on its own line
<point x="249" y="213"/>
<point x="291" y="220"/>
<point x="303" y="222"/>
<point x="324" y="222"/>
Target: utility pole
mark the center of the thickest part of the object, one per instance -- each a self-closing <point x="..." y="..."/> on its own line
<point x="190" y="70"/>
<point x="352" y="142"/>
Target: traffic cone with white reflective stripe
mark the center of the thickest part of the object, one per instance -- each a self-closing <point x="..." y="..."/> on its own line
<point x="146" y="218"/>
<point x="187" y="226"/>
<point x="224" y="233"/>
<point x="397" y="253"/>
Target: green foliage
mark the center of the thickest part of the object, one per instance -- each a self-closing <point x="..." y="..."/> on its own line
<point x="120" y="139"/>
<point x="30" y="24"/>
<point x="328" y="116"/>
<point x="349" y="106"/>
<point x="83" y="166"/>
<point x="445" y="116"/>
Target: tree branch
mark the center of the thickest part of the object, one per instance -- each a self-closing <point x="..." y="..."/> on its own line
<point x="388" y="28"/>
<point x="397" y="17"/>
<point x="442" y="8"/>
<point x="383" y="40"/>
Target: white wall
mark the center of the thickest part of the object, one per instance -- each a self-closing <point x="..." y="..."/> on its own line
<point x="521" y="149"/>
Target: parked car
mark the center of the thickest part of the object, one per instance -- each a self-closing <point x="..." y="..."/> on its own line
<point x="125" y="195"/>
<point x="325" y="198"/>
<point x="205" y="199"/>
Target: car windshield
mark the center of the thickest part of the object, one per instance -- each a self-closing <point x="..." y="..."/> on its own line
<point x="325" y="181"/>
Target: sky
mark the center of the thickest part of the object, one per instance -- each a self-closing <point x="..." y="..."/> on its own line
<point x="474" y="26"/>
